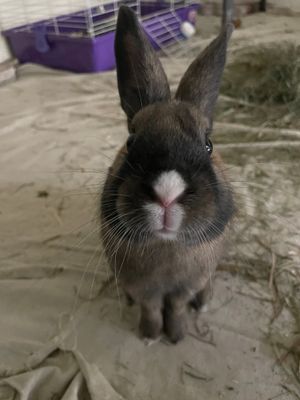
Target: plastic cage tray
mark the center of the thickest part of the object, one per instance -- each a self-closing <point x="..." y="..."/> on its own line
<point x="84" y="41"/>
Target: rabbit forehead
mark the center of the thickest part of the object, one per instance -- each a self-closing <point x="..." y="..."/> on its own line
<point x="172" y="117"/>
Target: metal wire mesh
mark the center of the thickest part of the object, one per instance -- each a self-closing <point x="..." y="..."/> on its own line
<point x="79" y="17"/>
<point x="93" y="18"/>
<point x="86" y="17"/>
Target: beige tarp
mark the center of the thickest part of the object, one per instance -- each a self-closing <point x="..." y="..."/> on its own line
<point x="59" y="337"/>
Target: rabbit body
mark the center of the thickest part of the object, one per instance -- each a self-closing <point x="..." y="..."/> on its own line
<point x="166" y="204"/>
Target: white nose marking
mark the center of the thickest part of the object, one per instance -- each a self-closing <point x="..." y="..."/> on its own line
<point x="168" y="187"/>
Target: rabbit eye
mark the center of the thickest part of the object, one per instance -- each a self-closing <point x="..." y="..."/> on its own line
<point x="209" y="146"/>
<point x="130" y="140"/>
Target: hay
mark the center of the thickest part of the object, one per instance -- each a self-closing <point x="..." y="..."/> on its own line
<point x="265" y="74"/>
<point x="260" y="100"/>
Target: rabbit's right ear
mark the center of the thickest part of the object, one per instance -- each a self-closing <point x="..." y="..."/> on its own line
<point x="141" y="78"/>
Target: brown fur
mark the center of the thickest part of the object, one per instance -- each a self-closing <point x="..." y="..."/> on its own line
<point x="165" y="276"/>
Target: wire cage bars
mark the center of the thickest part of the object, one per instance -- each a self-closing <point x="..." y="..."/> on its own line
<point x="78" y="35"/>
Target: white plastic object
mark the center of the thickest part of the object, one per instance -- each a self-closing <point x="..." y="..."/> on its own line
<point x="187" y="29"/>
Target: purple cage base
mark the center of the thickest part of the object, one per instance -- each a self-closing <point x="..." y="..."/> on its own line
<point x="41" y="45"/>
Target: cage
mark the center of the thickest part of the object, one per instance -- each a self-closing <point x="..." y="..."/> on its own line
<point x="78" y="35"/>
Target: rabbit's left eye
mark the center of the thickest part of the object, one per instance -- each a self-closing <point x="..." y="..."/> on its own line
<point x="209" y="146"/>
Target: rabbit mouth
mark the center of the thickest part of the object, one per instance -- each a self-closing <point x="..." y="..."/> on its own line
<point x="164" y="222"/>
<point x="166" y="234"/>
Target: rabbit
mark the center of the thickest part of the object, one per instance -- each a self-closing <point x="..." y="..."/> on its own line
<point x="166" y="204"/>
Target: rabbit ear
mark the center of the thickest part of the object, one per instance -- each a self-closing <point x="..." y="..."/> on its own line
<point x="201" y="83"/>
<point x="141" y="78"/>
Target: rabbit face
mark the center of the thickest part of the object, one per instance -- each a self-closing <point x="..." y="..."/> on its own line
<point x="167" y="186"/>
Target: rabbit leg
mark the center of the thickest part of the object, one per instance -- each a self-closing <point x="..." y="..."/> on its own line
<point x="201" y="298"/>
<point x="151" y="321"/>
<point x="175" y="312"/>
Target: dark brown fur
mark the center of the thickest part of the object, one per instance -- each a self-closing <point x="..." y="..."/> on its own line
<point x="165" y="276"/>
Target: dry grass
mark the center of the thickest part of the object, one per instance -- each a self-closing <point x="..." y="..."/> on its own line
<point x="261" y="88"/>
<point x="265" y="74"/>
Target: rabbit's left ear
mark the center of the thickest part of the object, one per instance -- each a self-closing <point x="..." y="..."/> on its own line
<point x="201" y="83"/>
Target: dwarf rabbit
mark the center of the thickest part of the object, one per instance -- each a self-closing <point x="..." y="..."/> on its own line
<point x="166" y="204"/>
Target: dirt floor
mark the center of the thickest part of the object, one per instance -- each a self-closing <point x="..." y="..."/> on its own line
<point x="61" y="338"/>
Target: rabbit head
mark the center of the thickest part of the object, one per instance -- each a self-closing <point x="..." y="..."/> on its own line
<point x="167" y="182"/>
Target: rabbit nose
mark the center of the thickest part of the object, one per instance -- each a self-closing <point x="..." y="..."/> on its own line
<point x="168" y="188"/>
<point x="166" y="202"/>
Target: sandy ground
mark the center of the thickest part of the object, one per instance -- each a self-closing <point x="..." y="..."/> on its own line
<point x="62" y="339"/>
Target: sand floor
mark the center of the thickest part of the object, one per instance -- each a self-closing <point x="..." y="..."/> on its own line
<point x="62" y="339"/>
